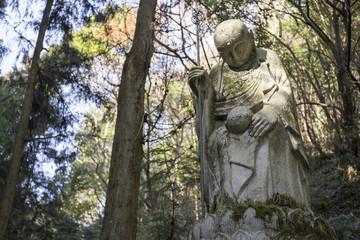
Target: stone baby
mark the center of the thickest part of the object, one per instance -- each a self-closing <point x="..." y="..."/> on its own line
<point x="253" y="148"/>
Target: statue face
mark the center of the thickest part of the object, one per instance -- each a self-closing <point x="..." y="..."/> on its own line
<point x="237" y="53"/>
<point x="234" y="42"/>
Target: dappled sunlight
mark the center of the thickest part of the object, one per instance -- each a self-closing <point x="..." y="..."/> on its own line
<point x="352" y="174"/>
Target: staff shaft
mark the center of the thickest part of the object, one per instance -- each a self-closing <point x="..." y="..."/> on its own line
<point x="201" y="147"/>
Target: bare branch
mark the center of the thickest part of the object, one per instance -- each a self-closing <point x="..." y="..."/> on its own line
<point x="175" y="52"/>
<point x="324" y="105"/>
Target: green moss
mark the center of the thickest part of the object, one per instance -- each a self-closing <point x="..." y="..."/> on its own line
<point x="235" y="84"/>
<point x="227" y="80"/>
<point x="264" y="210"/>
<point x="290" y="111"/>
<point x="238" y="212"/>
<point x="284" y="201"/>
<point x="293" y="221"/>
<point x="224" y="202"/>
<point x="291" y="116"/>
<point x="216" y="207"/>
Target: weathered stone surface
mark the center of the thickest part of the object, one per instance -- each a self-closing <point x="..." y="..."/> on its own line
<point x="238" y="120"/>
<point x="278" y="223"/>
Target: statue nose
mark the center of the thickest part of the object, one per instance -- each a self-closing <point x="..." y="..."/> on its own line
<point x="232" y="56"/>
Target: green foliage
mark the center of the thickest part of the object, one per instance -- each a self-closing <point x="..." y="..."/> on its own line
<point x="87" y="41"/>
<point x="30" y="211"/>
<point x="170" y="176"/>
<point x="230" y="9"/>
<point x="66" y="205"/>
<point x="38" y="207"/>
<point x="66" y="15"/>
<point x="68" y="71"/>
<point x="253" y="13"/>
<point x="3" y="49"/>
<point x="155" y="225"/>
<point x="89" y="173"/>
<point x="111" y="35"/>
<point x="11" y="95"/>
<point x="79" y="187"/>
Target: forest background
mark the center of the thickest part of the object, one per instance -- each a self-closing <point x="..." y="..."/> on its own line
<point x="64" y="172"/>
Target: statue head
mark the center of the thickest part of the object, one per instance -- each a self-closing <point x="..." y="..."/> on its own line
<point x="234" y="42"/>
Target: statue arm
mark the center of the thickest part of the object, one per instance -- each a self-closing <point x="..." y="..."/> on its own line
<point x="283" y="103"/>
<point x="275" y="100"/>
<point x="280" y="96"/>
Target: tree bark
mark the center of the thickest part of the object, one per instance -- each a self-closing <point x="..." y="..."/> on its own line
<point x="120" y="217"/>
<point x="9" y="191"/>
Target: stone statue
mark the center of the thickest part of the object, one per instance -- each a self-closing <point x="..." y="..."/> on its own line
<point x="254" y="164"/>
<point x="253" y="147"/>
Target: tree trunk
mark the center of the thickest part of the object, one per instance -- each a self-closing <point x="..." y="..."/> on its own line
<point x="345" y="84"/>
<point x="9" y="191"/>
<point x="349" y="114"/>
<point x="120" y="217"/>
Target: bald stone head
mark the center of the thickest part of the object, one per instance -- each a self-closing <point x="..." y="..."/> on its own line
<point x="234" y="42"/>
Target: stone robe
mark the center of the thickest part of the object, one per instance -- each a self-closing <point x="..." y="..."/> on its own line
<point x="240" y="167"/>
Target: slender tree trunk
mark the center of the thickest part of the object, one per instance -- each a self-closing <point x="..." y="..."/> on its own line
<point x="9" y="191"/>
<point x="349" y="114"/>
<point x="120" y="217"/>
<point x="345" y="84"/>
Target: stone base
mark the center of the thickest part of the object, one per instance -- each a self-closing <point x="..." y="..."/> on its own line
<point x="260" y="222"/>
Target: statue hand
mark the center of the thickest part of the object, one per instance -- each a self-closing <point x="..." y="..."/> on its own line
<point x="196" y="74"/>
<point x="262" y="122"/>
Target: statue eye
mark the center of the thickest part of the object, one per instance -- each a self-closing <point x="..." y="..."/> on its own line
<point x="239" y="47"/>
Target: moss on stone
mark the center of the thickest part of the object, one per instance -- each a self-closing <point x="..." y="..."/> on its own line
<point x="225" y="202"/>
<point x="284" y="201"/>
<point x="227" y="80"/>
<point x="289" y="223"/>
<point x="291" y="116"/>
<point x="263" y="210"/>
<point x="290" y="111"/>
<point x="238" y="212"/>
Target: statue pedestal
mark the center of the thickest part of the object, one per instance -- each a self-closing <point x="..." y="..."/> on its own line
<point x="262" y="222"/>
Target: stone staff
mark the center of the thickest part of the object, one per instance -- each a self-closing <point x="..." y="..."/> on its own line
<point x="196" y="18"/>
